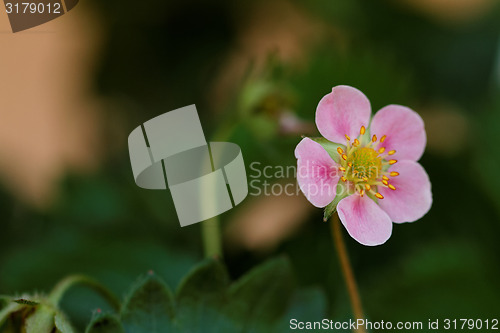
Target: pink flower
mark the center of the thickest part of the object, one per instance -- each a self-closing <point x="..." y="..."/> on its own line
<point x="367" y="169"/>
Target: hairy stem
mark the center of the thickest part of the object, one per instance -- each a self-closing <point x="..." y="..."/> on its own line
<point x="352" y="288"/>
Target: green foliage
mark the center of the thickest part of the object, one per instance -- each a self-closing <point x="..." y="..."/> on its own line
<point x="205" y="301"/>
<point x="104" y="323"/>
<point x="149" y="307"/>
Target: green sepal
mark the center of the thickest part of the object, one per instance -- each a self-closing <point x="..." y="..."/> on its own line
<point x="24" y="301"/>
<point x="330" y="147"/>
<point x="62" y="323"/>
<point x="41" y="320"/>
<point x="341" y="191"/>
<point x="7" y="307"/>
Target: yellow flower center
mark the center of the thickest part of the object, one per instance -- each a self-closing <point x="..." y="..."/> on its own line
<point x="362" y="164"/>
<point x="366" y="163"/>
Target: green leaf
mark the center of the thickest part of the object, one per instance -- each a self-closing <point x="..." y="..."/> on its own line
<point x="105" y="323"/>
<point x="330" y="147"/>
<point x="261" y="297"/>
<point x="149" y="307"/>
<point x="209" y="277"/>
<point x="306" y="305"/>
<point x="62" y="323"/>
<point x="40" y="321"/>
<point x="201" y="298"/>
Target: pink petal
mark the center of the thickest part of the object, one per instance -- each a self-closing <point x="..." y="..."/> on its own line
<point x="341" y="112"/>
<point x="412" y="197"/>
<point x="404" y="131"/>
<point x="317" y="173"/>
<point x="365" y="221"/>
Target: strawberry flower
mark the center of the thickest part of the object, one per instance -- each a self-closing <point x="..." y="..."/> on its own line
<point x="366" y="170"/>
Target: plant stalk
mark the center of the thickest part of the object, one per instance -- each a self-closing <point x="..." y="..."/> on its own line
<point x="211" y="234"/>
<point x="350" y="281"/>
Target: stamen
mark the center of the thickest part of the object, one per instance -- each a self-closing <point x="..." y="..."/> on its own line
<point x="343" y="179"/>
<point x="378" y="195"/>
<point x="347" y="137"/>
<point x="391" y="162"/>
<point x="342" y="169"/>
<point x="355" y="143"/>
<point x="368" y="187"/>
<point x="382" y="139"/>
<point x="362" y="130"/>
<point x="340" y="150"/>
<point x="385" y="182"/>
<point x="392" y="187"/>
<point x="362" y="192"/>
<point x="365" y="179"/>
<point x="349" y="164"/>
<point x="392" y="152"/>
<point x="385" y="178"/>
<point x="381" y="150"/>
<point x="394" y="173"/>
<point x="344" y="156"/>
<point x="374" y="138"/>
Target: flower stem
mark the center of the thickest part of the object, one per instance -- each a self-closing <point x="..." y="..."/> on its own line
<point x="64" y="285"/>
<point x="210" y="229"/>
<point x="352" y="288"/>
<point x="212" y="243"/>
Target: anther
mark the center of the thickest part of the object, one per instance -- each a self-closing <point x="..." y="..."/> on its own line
<point x="342" y="169"/>
<point x="394" y="173"/>
<point x="374" y="138"/>
<point x="344" y="156"/>
<point x="349" y="164"/>
<point x="392" y="187"/>
<point x="382" y="139"/>
<point x="343" y="179"/>
<point x="355" y="143"/>
<point x="392" y="152"/>
<point x="385" y="178"/>
<point x="347" y="137"/>
<point x="385" y="182"/>
<point x="362" y="130"/>
<point x="340" y="150"/>
<point x="368" y="187"/>
<point x="364" y="179"/>
<point x="391" y="162"/>
<point x="381" y="150"/>
<point x="362" y="192"/>
<point x="378" y="195"/>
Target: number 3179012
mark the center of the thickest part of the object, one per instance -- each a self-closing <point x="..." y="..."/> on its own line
<point x="33" y="8"/>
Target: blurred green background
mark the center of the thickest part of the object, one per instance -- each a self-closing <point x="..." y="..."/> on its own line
<point x="256" y="71"/>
